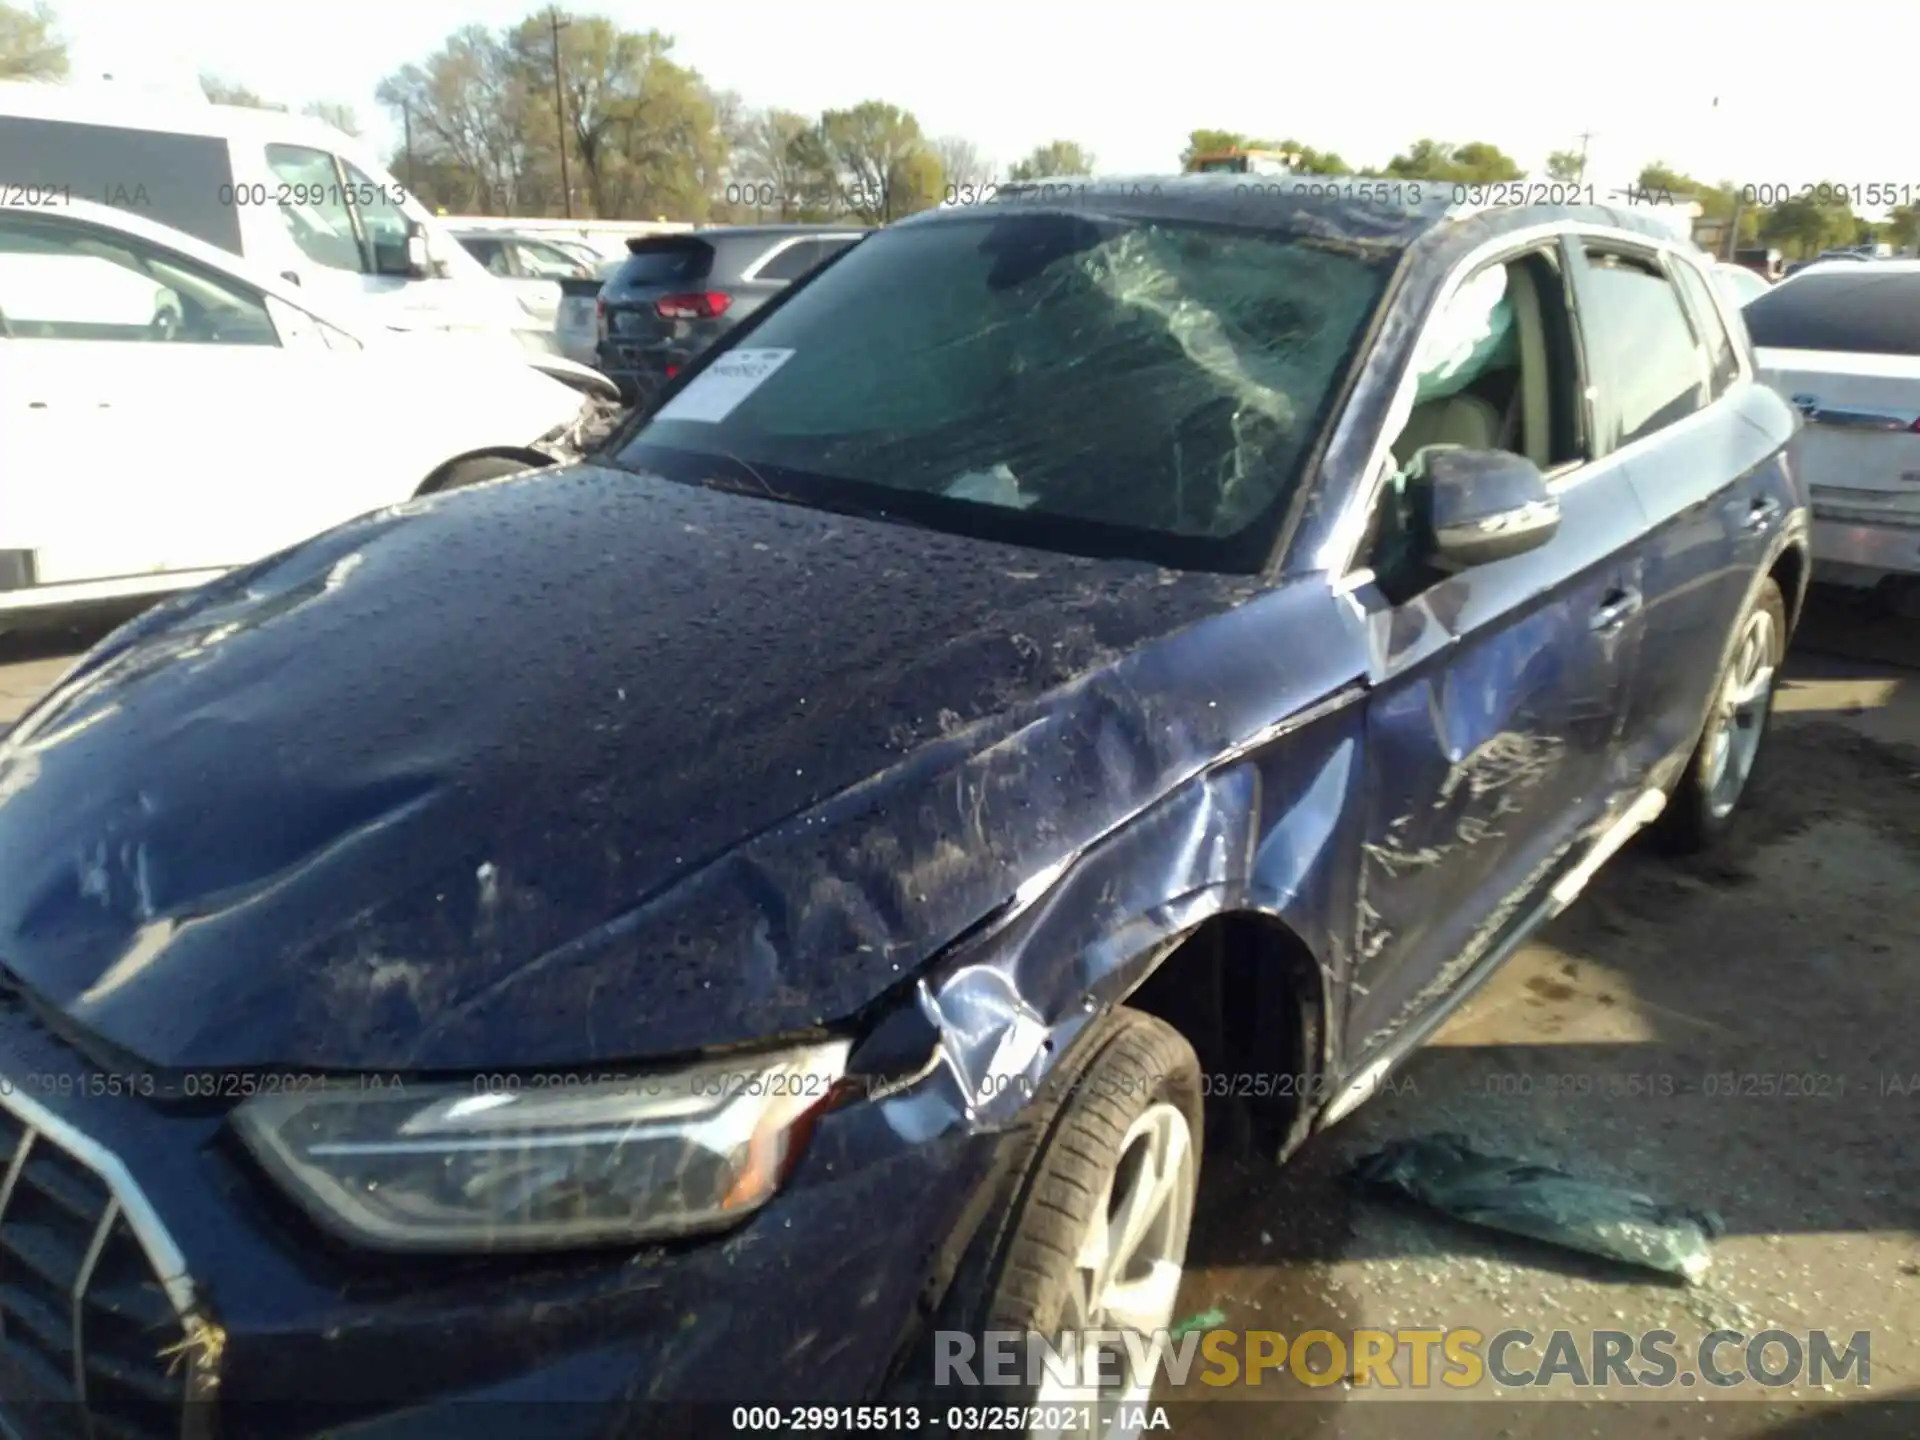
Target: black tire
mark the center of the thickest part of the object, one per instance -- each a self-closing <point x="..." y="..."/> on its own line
<point x="473" y="471"/>
<point x="1693" y="821"/>
<point x="1133" y="1066"/>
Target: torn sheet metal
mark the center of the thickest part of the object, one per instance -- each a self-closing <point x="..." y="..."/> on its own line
<point x="1542" y="1203"/>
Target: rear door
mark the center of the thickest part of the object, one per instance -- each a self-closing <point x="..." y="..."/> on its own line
<point x="1844" y="348"/>
<point x="1667" y="403"/>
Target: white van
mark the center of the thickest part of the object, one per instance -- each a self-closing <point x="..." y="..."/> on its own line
<point x="290" y="194"/>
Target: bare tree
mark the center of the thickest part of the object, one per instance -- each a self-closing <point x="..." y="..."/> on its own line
<point x="336" y="114"/>
<point x="771" y="162"/>
<point x="466" y="109"/>
<point x="232" y="92"/>
<point x="1056" y="157"/>
<point x="961" y="167"/>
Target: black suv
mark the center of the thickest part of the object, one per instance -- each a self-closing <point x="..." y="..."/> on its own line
<point x="677" y="294"/>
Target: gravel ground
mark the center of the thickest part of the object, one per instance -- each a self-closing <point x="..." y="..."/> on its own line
<point x="1793" y="953"/>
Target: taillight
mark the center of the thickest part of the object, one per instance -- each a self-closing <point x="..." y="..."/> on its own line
<point x="1915" y="427"/>
<point x="700" y="305"/>
<point x="672" y="370"/>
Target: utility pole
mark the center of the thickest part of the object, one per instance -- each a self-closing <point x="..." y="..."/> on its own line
<point x="1585" y="136"/>
<point x="555" y="25"/>
<point x="406" y="133"/>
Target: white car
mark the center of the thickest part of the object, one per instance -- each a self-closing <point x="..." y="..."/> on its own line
<point x="1841" y="340"/>
<point x="171" y="411"/>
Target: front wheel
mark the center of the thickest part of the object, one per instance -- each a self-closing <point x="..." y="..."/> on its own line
<point x="1703" y="803"/>
<point x="1098" y="1239"/>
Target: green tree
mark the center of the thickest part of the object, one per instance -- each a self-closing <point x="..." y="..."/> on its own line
<point x="873" y="161"/>
<point x="1902" y="227"/>
<point x="1211" y="142"/>
<point x="643" y="134"/>
<point x="30" y="43"/>
<point x="1567" y="165"/>
<point x="1306" y="159"/>
<point x="1807" y="226"/>
<point x="1056" y="157"/>
<point x="1476" y="162"/>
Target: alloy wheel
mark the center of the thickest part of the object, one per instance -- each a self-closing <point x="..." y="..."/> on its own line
<point x="1740" y="715"/>
<point x="1126" y="1277"/>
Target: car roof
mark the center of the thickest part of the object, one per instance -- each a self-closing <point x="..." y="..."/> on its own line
<point x="770" y="231"/>
<point x="1383" y="212"/>
<point x="185" y="113"/>
<point x="1853" y="267"/>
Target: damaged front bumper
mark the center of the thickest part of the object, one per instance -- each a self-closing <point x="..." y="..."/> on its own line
<point x="812" y="1301"/>
<point x="583" y="435"/>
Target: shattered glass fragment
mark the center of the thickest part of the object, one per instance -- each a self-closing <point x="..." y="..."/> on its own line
<point x="1500" y="1193"/>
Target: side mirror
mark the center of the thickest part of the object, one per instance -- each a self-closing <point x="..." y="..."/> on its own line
<point x="419" y="258"/>
<point x="409" y="259"/>
<point x="1486" y="505"/>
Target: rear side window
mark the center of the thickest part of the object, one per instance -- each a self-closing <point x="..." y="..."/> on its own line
<point x="490" y="253"/>
<point x="1722" y="359"/>
<point x="1650" y="365"/>
<point x="665" y="262"/>
<point x="313" y="207"/>
<point x="801" y="259"/>
<point x="1862" y="311"/>
<point x="62" y="281"/>
<point x="185" y="181"/>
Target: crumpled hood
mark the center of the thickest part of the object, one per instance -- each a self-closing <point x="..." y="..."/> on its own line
<point x="584" y="767"/>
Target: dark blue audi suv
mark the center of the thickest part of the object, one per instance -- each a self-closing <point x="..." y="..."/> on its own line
<point x="696" y="926"/>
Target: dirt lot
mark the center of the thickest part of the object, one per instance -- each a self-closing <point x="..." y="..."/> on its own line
<point x="1788" y="963"/>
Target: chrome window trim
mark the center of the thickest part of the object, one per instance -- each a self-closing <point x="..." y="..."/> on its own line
<point x="1338" y="555"/>
<point x="752" y="272"/>
<point x="204" y="1340"/>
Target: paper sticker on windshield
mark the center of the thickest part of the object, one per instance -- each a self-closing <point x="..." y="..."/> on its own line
<point x="715" y="391"/>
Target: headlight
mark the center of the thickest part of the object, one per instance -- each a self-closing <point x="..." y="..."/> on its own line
<point x="495" y="1166"/>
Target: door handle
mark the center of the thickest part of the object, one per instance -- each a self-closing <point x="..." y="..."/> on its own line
<point x="1760" y="514"/>
<point x="1615" y="610"/>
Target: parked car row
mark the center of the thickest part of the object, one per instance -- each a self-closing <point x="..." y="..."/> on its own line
<point x="772" y="892"/>
<point x="642" y="316"/>
<point x="172" y="411"/>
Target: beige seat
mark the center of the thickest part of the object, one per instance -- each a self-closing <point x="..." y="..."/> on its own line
<point x="1457" y="420"/>
<point x="1470" y="421"/>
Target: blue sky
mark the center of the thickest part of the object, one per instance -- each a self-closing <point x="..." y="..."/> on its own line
<point x="1801" y="99"/>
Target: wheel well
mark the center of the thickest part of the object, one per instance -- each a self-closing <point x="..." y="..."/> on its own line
<point x="1789" y="571"/>
<point x="1247" y="993"/>
<point x="532" y="459"/>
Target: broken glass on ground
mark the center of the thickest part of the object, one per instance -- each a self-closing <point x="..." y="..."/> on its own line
<point x="1542" y="1203"/>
